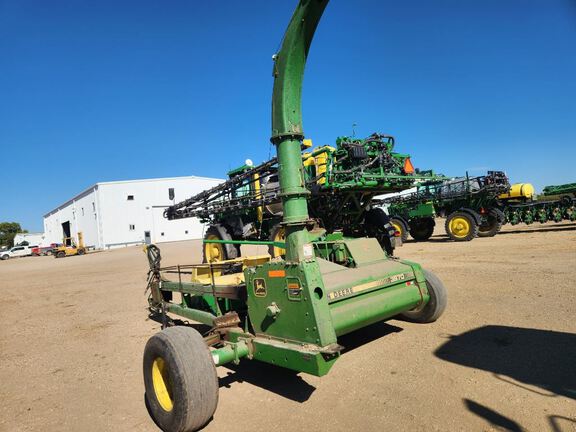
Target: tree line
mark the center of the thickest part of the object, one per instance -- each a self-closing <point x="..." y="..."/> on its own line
<point x="8" y="231"/>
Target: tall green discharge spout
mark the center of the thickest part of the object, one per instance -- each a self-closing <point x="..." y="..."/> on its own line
<point x="287" y="132"/>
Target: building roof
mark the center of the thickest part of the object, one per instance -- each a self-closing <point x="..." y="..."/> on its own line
<point x="95" y="186"/>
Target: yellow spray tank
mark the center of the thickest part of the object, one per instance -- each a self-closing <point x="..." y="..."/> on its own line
<point x="319" y="159"/>
<point x="519" y="192"/>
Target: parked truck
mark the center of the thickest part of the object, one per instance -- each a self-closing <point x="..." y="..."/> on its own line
<point x="16" y="251"/>
<point x="45" y="250"/>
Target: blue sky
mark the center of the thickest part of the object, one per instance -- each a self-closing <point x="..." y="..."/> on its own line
<point x="104" y="90"/>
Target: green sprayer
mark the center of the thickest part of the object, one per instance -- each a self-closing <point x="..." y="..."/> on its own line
<point x="343" y="182"/>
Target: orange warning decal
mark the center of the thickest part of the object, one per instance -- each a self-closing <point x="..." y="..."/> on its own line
<point x="276" y="273"/>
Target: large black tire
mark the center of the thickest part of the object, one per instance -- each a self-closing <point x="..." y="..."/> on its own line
<point x="435" y="306"/>
<point x="401" y="227"/>
<point x="81" y="251"/>
<point x="491" y="225"/>
<point x="377" y="224"/>
<point x="212" y="252"/>
<point x="60" y="254"/>
<point x="180" y="380"/>
<point x="277" y="233"/>
<point x="421" y="229"/>
<point x="461" y="226"/>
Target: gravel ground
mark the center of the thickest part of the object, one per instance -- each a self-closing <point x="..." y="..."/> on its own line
<point x="503" y="357"/>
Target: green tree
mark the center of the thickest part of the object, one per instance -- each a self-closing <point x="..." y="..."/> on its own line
<point x="7" y="232"/>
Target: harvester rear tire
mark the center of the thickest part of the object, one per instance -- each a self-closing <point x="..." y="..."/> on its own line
<point x="378" y="225"/>
<point x="401" y="227"/>
<point x="218" y="252"/>
<point x="492" y="226"/>
<point x="435" y="306"/>
<point x="421" y="229"/>
<point x="461" y="226"/>
<point x="180" y="380"/>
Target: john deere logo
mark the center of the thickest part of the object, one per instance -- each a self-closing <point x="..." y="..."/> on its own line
<point x="259" y="287"/>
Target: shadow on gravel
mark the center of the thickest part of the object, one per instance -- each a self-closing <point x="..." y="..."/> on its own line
<point x="492" y="416"/>
<point x="557" y="423"/>
<point x="366" y="335"/>
<point x="434" y="239"/>
<point x="570" y="227"/>
<point x="287" y="383"/>
<point x="539" y="358"/>
<point x="278" y="380"/>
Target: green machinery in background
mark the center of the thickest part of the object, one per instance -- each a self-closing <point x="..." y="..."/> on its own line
<point x="467" y="203"/>
<point x="560" y="191"/>
<point x="287" y="311"/>
<point x="341" y="183"/>
<point x="478" y="206"/>
<point x="554" y="204"/>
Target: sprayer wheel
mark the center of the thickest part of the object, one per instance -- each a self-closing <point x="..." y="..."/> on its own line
<point x="378" y="225"/>
<point x="213" y="252"/>
<point x="421" y="229"/>
<point x="180" y="380"/>
<point x="400" y="227"/>
<point x="461" y="226"/>
<point x="435" y="306"/>
<point x="492" y="225"/>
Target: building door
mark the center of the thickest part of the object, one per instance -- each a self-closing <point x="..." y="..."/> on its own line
<point x="66" y="233"/>
<point x="147" y="238"/>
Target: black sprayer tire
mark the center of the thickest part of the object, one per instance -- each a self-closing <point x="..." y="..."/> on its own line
<point x="400" y="226"/>
<point x="218" y="252"/>
<point x="377" y="224"/>
<point x="435" y="306"/>
<point x="421" y="229"/>
<point x="180" y="380"/>
<point x="461" y="226"/>
<point x="492" y="223"/>
<point x="500" y="214"/>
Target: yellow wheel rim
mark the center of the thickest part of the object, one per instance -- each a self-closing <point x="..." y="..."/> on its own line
<point x="280" y="236"/>
<point x="398" y="228"/>
<point x="162" y="385"/>
<point x="459" y="227"/>
<point x="213" y="251"/>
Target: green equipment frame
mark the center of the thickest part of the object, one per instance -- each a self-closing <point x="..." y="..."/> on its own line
<point x="288" y="311"/>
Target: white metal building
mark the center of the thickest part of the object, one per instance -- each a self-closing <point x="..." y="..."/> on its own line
<point x="33" y="239"/>
<point x="113" y="214"/>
